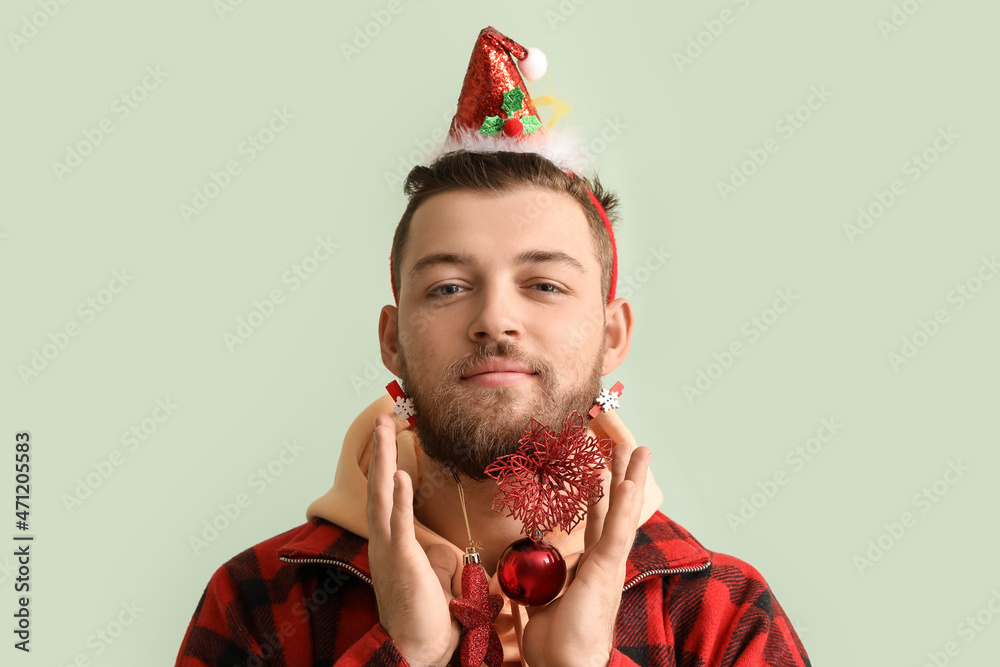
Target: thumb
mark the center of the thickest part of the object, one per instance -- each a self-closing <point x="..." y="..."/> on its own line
<point x="444" y="563"/>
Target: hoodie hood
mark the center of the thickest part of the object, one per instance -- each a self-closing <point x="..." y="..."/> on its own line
<point x="345" y="506"/>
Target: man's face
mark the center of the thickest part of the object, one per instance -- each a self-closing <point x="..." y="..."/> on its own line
<point x="500" y="319"/>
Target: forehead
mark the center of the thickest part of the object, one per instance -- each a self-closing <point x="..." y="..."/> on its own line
<point x="500" y="225"/>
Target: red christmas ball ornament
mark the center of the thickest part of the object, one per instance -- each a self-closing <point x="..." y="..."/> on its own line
<point x="531" y="572"/>
<point x="513" y="128"/>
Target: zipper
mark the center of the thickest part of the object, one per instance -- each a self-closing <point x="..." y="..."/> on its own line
<point x="676" y="570"/>
<point x="356" y="572"/>
<point x="344" y="566"/>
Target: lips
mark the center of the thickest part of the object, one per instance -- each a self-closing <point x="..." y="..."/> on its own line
<point x="498" y="366"/>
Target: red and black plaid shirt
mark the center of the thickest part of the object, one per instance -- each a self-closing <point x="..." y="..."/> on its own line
<point x="304" y="598"/>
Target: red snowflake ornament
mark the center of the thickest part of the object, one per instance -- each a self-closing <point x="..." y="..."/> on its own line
<point x="552" y="478"/>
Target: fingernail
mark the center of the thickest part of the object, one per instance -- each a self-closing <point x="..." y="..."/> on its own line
<point x="395" y="483"/>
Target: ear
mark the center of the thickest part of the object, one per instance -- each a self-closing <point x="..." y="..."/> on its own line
<point x="619" y="331"/>
<point x="388" y="338"/>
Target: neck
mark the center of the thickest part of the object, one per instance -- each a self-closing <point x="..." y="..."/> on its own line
<point x="439" y="508"/>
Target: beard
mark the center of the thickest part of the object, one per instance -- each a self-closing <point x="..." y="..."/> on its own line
<point x="467" y="427"/>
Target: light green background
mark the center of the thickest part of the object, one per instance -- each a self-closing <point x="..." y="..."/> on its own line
<point x="684" y="128"/>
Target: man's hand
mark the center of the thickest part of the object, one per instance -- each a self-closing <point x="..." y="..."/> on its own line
<point x="412" y="587"/>
<point x="578" y="628"/>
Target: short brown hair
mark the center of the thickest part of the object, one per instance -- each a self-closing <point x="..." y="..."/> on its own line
<point x="503" y="172"/>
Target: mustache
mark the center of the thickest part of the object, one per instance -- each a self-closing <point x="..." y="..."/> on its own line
<point x="459" y="367"/>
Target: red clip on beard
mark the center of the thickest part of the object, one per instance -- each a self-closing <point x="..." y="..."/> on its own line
<point x="469" y="427"/>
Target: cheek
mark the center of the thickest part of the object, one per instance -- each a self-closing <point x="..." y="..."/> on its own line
<point x="581" y="337"/>
<point x="427" y="348"/>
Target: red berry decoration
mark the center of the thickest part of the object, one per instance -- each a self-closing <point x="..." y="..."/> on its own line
<point x="513" y="128"/>
<point x="531" y="572"/>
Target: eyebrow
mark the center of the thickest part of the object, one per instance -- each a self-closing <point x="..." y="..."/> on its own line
<point x="527" y="257"/>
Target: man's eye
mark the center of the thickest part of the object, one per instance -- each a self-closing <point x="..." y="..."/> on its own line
<point x="446" y="290"/>
<point x="546" y="287"/>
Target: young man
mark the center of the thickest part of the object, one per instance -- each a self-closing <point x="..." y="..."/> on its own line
<point x="503" y="271"/>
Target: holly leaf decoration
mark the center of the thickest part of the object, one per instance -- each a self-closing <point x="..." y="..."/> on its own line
<point x="530" y="124"/>
<point x="492" y="125"/>
<point x="512" y="101"/>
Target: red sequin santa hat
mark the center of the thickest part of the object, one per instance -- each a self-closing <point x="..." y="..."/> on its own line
<point x="495" y="113"/>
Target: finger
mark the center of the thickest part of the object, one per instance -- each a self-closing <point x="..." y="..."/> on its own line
<point x="609" y="425"/>
<point x="637" y="472"/>
<point x="597" y="512"/>
<point x="619" y="463"/>
<point x="595" y="523"/>
<point x="623" y="513"/>
<point x="380" y="469"/>
<point x="401" y="517"/>
<point x="608" y="556"/>
<point x="444" y="564"/>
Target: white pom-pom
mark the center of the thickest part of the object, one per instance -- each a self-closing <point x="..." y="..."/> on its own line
<point x="534" y="65"/>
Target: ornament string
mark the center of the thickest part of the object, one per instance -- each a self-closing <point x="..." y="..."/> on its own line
<point x="477" y="609"/>
<point x="465" y="513"/>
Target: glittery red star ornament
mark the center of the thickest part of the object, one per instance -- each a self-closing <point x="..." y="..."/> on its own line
<point x="476" y="610"/>
<point x="553" y="477"/>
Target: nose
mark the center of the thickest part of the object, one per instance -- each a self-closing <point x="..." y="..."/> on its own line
<point x="496" y="317"/>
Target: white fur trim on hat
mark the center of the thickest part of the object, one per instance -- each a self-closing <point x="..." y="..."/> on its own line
<point x="564" y="147"/>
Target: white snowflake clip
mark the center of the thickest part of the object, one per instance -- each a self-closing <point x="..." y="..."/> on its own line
<point x="607" y="400"/>
<point x="404" y="408"/>
<point x="404" y="405"/>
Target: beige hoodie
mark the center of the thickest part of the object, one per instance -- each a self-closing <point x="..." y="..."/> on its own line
<point x="345" y="503"/>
